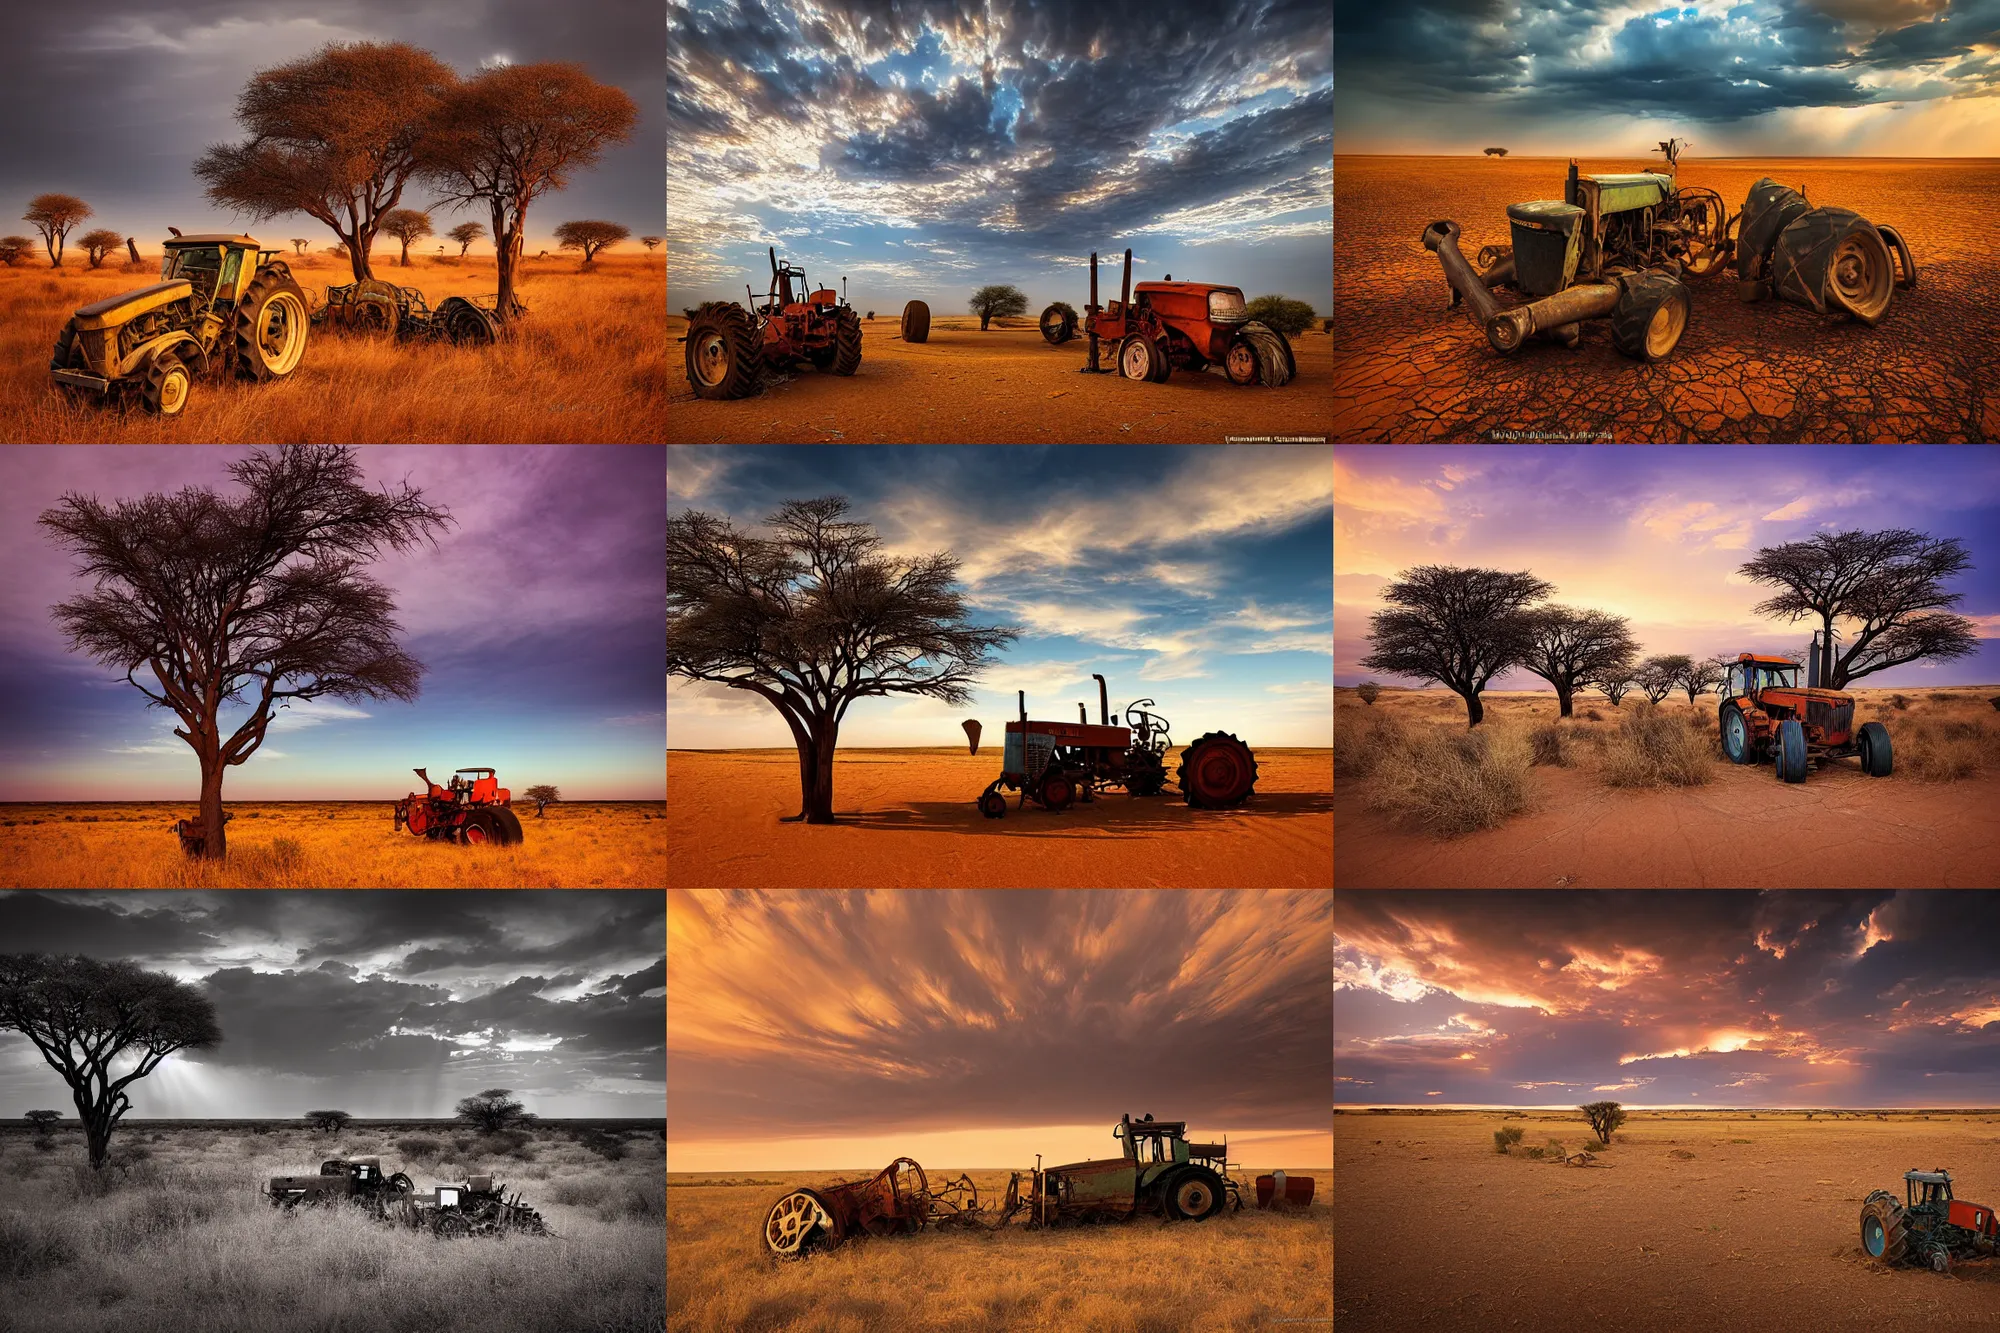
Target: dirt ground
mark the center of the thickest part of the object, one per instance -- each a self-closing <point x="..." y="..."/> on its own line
<point x="1003" y="386"/>
<point x="1744" y="829"/>
<point x="1406" y="368"/>
<point x="1758" y="1229"/>
<point x="907" y="820"/>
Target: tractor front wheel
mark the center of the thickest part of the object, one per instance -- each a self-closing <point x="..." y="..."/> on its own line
<point x="1650" y="317"/>
<point x="723" y="357"/>
<point x="1884" y="1233"/>
<point x="1057" y="792"/>
<point x="1218" y="771"/>
<point x="992" y="804"/>
<point x="1877" y="759"/>
<point x="1145" y="774"/>
<point x="1138" y="358"/>
<point x="1736" y="741"/>
<point x="1792" y="757"/>
<point x="165" y="389"/>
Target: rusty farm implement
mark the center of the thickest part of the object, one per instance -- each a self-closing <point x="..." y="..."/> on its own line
<point x="477" y="1207"/>
<point x="372" y="306"/>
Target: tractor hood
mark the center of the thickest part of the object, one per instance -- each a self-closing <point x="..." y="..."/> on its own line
<point x="113" y="311"/>
<point x="1811" y="692"/>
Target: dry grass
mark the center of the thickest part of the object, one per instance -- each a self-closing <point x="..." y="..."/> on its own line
<point x="303" y="844"/>
<point x="1941" y="749"/>
<point x="175" y="1236"/>
<point x="588" y="365"/>
<point x="1551" y="744"/>
<point x="1658" y="749"/>
<point x="1247" y="1270"/>
<point x="1444" y="779"/>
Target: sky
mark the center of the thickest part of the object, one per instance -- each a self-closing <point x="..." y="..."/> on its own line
<point x="1197" y="577"/>
<point x="924" y="148"/>
<point x="1872" y="78"/>
<point x="1667" y="998"/>
<point x="538" y="616"/>
<point x="1656" y="534"/>
<point x="123" y="96"/>
<point x="379" y="1004"/>
<point x="973" y="1029"/>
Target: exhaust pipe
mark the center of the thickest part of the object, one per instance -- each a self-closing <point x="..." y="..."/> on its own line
<point x="1103" y="701"/>
<point x="1082" y="718"/>
<point x="1556" y="317"/>
<point x="1812" y="664"/>
<point x="1023" y="694"/>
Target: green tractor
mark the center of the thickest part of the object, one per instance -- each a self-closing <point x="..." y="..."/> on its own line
<point x="1160" y="1173"/>
<point x="223" y="304"/>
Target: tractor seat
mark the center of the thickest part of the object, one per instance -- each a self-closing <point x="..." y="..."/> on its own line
<point x="483" y="789"/>
<point x="824" y="296"/>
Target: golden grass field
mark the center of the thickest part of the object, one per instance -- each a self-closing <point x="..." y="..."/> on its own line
<point x="333" y="844"/>
<point x="1697" y="1220"/>
<point x="173" y="1235"/>
<point x="588" y="365"/>
<point x="1235" y="1271"/>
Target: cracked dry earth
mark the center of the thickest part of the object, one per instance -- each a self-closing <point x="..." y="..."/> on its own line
<point x="1407" y="368"/>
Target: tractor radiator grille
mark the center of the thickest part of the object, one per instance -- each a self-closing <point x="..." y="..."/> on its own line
<point x="1833" y="719"/>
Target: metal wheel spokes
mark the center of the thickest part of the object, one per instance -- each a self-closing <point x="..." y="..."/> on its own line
<point x="1193" y="1197"/>
<point x="792" y="1219"/>
<point x="711" y="359"/>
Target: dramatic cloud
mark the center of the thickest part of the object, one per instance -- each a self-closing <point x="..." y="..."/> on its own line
<point x="1692" y="998"/>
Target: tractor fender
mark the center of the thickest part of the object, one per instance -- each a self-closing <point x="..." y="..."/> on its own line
<point x="142" y="356"/>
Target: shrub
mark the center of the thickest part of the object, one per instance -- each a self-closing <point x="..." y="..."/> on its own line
<point x="28" y="1248"/>
<point x="1593" y="715"/>
<point x="1930" y="750"/>
<point x="1361" y="743"/>
<point x="1451" y="782"/>
<point x="1604" y="1117"/>
<point x="1938" y="697"/>
<point x="1654" y="749"/>
<point x="1369" y="691"/>
<point x="1900" y="702"/>
<point x="608" y="1146"/>
<point x="1506" y="1137"/>
<point x="1536" y="1153"/>
<point x="1551" y="745"/>
<point x="419" y="1146"/>
<point x="1287" y="316"/>
<point x="1995" y="701"/>
<point x="645" y="1200"/>
<point x="581" y="1191"/>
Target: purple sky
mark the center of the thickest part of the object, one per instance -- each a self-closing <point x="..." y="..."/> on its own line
<point x="539" y="616"/>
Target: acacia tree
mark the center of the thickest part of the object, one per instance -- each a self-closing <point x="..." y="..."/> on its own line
<point x="265" y="593"/>
<point x="515" y="133"/>
<point x="1604" y="1117"/>
<point x="651" y="243"/>
<point x="1701" y="675"/>
<point x="998" y="299"/>
<point x="328" y="1120"/>
<point x="1567" y="647"/>
<point x="543" y="794"/>
<point x="43" y="1121"/>
<point x="1892" y="582"/>
<point x="83" y="1015"/>
<point x="814" y="618"/>
<point x="494" y="1110"/>
<point x="407" y="225"/>
<point x="299" y="244"/>
<point x="53" y="215"/>
<point x="334" y="135"/>
<point x="465" y="233"/>
<point x="1614" y="679"/>
<point x="590" y="236"/>
<point x="1658" y="676"/>
<point x="1457" y="626"/>
<point x="97" y="244"/>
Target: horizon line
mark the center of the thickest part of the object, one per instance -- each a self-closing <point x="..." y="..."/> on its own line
<point x="1746" y="157"/>
<point x="1667" y="1106"/>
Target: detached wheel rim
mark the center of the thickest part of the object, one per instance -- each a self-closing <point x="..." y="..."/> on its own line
<point x="282" y="338"/>
<point x="791" y="1220"/>
<point x="1665" y="329"/>
<point x="1860" y="276"/>
<point x="711" y="359"/>
<point x="1241" y="363"/>
<point x="1136" y="360"/>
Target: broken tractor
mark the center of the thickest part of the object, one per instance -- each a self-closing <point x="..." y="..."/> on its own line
<point x="477" y="1207"/>
<point x="1928" y="1227"/>
<point x="1160" y="325"/>
<point x="470" y="811"/>
<point x="728" y="346"/>
<point x="377" y="307"/>
<point x="1766" y="715"/>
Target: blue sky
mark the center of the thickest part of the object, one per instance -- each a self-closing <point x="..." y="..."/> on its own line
<point x="924" y="149"/>
<point x="539" y="617"/>
<point x="1196" y="576"/>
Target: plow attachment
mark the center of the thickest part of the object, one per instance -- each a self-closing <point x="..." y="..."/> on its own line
<point x="897" y="1199"/>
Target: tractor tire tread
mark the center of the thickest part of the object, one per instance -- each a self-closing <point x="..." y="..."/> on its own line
<point x="916" y="322"/>
<point x="1275" y="364"/>
<point x="1633" y="315"/>
<point x="1217" y="737"/>
<point x="846" y="357"/>
<point x="739" y="336"/>
<point x="270" y="281"/>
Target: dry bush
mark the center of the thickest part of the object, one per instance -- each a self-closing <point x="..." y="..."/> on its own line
<point x="1451" y="782"/>
<point x="1551" y="744"/>
<point x="1369" y="691"/>
<point x="1940" y="750"/>
<point x="1593" y="715"/>
<point x="1900" y="701"/>
<point x="1506" y="1137"/>
<point x="1360" y="742"/>
<point x="1938" y="697"/>
<point x="1655" y="749"/>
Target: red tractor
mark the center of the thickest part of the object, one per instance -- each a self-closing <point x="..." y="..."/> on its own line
<point x="469" y="811"/>
<point x="728" y="346"/>
<point x="1766" y="717"/>
<point x="1194" y="325"/>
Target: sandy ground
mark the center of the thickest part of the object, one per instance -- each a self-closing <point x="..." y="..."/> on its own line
<point x="907" y="820"/>
<point x="1003" y="386"/>
<point x="1758" y="1229"/>
<point x="1407" y="368"/>
<point x="1745" y="829"/>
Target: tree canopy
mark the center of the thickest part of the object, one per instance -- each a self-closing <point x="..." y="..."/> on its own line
<point x="407" y="225"/>
<point x="1457" y="626"/>
<point x="99" y="243"/>
<point x="998" y="300"/>
<point x="1568" y="647"/>
<point x="590" y="235"/>
<point x="465" y="233"/>
<point x="53" y="215"/>
<point x="328" y="1120"/>
<point x="1658" y="676"/>
<point x="494" y="1110"/>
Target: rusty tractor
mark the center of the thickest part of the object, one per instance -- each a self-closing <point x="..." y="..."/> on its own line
<point x="1620" y="246"/>
<point x="1056" y="763"/>
<point x="468" y="811"/>
<point x="1929" y="1227"/>
<point x="728" y="347"/>
<point x="340" y="1180"/>
<point x="1766" y="714"/>
<point x="1160" y="325"/>
<point x="372" y="306"/>
<point x="477" y="1207"/>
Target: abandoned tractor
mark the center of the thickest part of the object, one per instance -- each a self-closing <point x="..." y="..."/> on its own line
<point x="1929" y="1227"/>
<point x="478" y="1207"/>
<point x="1193" y="325"/>
<point x="1766" y="714"/>
<point x="1619" y="246"/>
<point x="372" y="306"/>
<point x="340" y="1180"/>
<point x="469" y="811"/>
<point x="223" y="304"/>
<point x="728" y="347"/>
<point x="1056" y="763"/>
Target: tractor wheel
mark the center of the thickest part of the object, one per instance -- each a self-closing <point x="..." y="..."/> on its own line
<point x="1791" y="750"/>
<point x="1877" y="758"/>
<point x="1057" y="792"/>
<point x="507" y="825"/>
<point x="1835" y="261"/>
<point x="1058" y="324"/>
<point x="400" y="1184"/>
<point x="723" y="357"/>
<point x="466" y="324"/>
<point x="1260" y="355"/>
<point x="993" y="805"/>
<point x="478" y="829"/>
<point x="916" y="322"/>
<point x="165" y="389"/>
<point x="846" y="342"/>
<point x="1163" y="362"/>
<point x="1737" y="742"/>
<point x="65" y="356"/>
<point x="271" y="327"/>
<point x="1884" y="1233"/>
<point x="1218" y="771"/>
<point x="1650" y="317"/>
<point x="800" y="1223"/>
<point x="1194" y="1194"/>
<point x="1138" y="359"/>
<point x="451" y="1226"/>
<point x="1144" y="776"/>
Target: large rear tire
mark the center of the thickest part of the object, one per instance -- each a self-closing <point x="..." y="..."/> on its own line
<point x="1194" y="1194"/>
<point x="1791" y="750"/>
<point x="1835" y="261"/>
<point x="272" y="323"/>
<point x="478" y="829"/>
<point x="1217" y="772"/>
<point x="916" y="322"/>
<point x="466" y="324"/>
<point x="1269" y="353"/>
<point x="1650" y="317"/>
<point x="1058" y="323"/>
<point x="1878" y="759"/>
<point x="508" y="825"/>
<point x="723" y="357"/>
<point x="846" y="342"/>
<point x="1884" y="1233"/>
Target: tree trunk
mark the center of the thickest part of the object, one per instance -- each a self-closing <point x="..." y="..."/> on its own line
<point x="507" y="246"/>
<point x="1474" y="710"/>
<point x="215" y="844"/>
<point x="1826" y="656"/>
<point x="984" y="320"/>
<point x="1563" y="693"/>
<point x="96" y="1132"/>
<point x="406" y="254"/>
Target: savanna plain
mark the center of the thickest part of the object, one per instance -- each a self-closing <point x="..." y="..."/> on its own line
<point x="585" y="365"/>
<point x="1248" y="1270"/>
<point x="907" y="819"/>
<point x="1638" y="796"/>
<point x="172" y="1236"/>
<point x="335" y="844"/>
<point x="1689" y="1220"/>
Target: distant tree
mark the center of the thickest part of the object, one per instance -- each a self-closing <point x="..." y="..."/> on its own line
<point x="299" y="244"/>
<point x="651" y="243"/>
<point x="13" y="249"/>
<point x="1702" y="675"/>
<point x="97" y="244"/>
<point x="53" y="215"/>
<point x="493" y="1110"/>
<point x="338" y="249"/>
<point x="1457" y="626"/>
<point x="330" y="1121"/>
<point x="1369" y="691"/>
<point x="406" y="225"/>
<point x="1282" y="313"/>
<point x="1496" y="152"/>
<point x="1615" y="678"/>
<point x="465" y="233"/>
<point x="871" y="314"/>
<point x="1891" y="582"/>
<point x="543" y="795"/>
<point x="590" y="236"/>
<point x="998" y="299"/>
<point x="1657" y="676"/>
<point x="1567" y="647"/>
<point x="84" y="1016"/>
<point x="1604" y="1117"/>
<point x="43" y="1121"/>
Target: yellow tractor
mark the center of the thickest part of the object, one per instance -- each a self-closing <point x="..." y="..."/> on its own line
<point x="222" y="304"/>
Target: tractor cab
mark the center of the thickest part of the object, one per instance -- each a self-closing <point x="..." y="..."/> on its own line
<point x="218" y="267"/>
<point x="1751" y="674"/>
<point x="1927" y="1189"/>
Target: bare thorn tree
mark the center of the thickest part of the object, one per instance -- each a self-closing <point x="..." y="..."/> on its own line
<point x="214" y="597"/>
<point x="814" y="618"/>
<point x="1659" y="676"/>
<point x="1891" y="582"/>
<point x="1604" y="1118"/>
<point x="1567" y="647"/>
<point x="1459" y="627"/>
<point x="1702" y="674"/>
<point x="1616" y="678"/>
